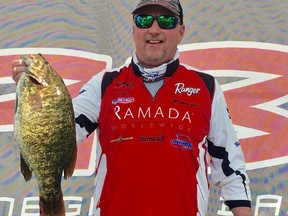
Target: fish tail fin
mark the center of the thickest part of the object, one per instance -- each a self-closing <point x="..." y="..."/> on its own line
<point x="25" y="170"/>
<point x="70" y="165"/>
<point x="52" y="207"/>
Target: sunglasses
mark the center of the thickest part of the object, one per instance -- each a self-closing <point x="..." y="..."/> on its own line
<point x="164" y="21"/>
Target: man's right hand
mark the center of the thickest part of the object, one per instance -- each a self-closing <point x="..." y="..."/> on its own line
<point x="18" y="67"/>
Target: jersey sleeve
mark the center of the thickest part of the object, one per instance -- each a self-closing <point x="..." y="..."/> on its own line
<point x="87" y="107"/>
<point x="227" y="161"/>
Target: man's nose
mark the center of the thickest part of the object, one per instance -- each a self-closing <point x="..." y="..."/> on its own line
<point x="155" y="27"/>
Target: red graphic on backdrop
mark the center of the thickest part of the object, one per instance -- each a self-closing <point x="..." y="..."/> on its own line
<point x="242" y="101"/>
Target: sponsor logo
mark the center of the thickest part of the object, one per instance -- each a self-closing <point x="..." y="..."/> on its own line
<point x="181" y="88"/>
<point x="147" y="125"/>
<point x="123" y="84"/>
<point x="121" y="139"/>
<point x="151" y="138"/>
<point x="123" y="100"/>
<point x="272" y="203"/>
<point x="237" y="144"/>
<point x="148" y="113"/>
<point x="176" y="101"/>
<point x="182" y="142"/>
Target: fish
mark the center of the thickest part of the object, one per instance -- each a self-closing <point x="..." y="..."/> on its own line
<point x="44" y="130"/>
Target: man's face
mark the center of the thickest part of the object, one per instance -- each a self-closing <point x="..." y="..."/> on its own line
<point x="155" y="46"/>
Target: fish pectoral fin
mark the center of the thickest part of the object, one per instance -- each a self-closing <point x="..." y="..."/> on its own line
<point x="25" y="170"/>
<point x="70" y="164"/>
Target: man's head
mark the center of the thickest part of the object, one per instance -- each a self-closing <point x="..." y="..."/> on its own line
<point x="173" y="5"/>
<point x="158" y="29"/>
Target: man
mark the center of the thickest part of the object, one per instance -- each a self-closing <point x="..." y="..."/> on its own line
<point x="157" y="120"/>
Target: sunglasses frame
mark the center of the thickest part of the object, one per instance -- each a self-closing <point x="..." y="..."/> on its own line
<point x="175" y="23"/>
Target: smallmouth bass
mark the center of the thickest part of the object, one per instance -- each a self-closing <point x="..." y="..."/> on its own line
<point x="44" y="130"/>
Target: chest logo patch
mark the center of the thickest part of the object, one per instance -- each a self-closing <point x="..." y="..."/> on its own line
<point x="181" y="88"/>
<point x="123" y="100"/>
<point x="182" y="142"/>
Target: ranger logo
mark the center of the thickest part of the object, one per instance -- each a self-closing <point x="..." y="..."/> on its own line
<point x="181" y="88"/>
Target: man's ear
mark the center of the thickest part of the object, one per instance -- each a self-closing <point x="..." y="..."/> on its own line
<point x="133" y="28"/>
<point x="182" y="32"/>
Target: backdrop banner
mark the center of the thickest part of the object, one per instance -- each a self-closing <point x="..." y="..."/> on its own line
<point x="244" y="45"/>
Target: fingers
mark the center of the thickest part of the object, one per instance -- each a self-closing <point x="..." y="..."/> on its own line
<point x="18" y="62"/>
<point x="18" y="67"/>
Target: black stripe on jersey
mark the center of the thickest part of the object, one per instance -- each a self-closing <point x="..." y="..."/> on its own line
<point x="85" y="122"/>
<point x="209" y="82"/>
<point x="243" y="180"/>
<point x="107" y="80"/>
<point x="220" y="153"/>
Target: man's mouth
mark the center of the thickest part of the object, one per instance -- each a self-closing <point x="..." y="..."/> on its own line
<point x="154" y="41"/>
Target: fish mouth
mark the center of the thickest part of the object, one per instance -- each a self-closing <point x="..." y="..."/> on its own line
<point x="31" y="70"/>
<point x="32" y="77"/>
<point x="33" y="80"/>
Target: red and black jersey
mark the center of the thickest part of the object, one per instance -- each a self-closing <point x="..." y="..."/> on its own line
<point x="153" y="151"/>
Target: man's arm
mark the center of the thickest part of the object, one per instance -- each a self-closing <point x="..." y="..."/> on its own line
<point x="227" y="160"/>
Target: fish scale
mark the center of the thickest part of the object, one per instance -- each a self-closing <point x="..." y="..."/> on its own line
<point x="44" y="130"/>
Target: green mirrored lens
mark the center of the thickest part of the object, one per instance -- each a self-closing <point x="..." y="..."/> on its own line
<point x="144" y="21"/>
<point x="167" y="22"/>
<point x="164" y="21"/>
